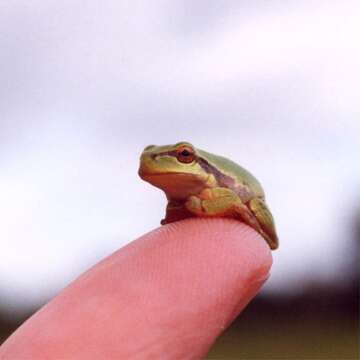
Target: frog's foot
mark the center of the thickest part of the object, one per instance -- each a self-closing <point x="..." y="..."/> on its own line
<point x="265" y="220"/>
<point x="216" y="201"/>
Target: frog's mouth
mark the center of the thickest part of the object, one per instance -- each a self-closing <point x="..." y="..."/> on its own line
<point x="176" y="185"/>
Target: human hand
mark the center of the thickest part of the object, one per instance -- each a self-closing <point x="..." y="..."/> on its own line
<point x="166" y="295"/>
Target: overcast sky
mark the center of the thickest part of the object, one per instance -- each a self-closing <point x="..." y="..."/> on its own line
<point x="86" y="85"/>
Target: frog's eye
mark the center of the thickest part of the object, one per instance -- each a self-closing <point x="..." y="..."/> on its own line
<point x="185" y="155"/>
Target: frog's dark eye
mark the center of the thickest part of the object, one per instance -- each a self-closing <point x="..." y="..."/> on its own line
<point x="185" y="155"/>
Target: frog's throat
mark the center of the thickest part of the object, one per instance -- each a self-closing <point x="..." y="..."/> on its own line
<point x="176" y="185"/>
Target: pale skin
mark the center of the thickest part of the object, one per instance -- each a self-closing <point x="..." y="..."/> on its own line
<point x="201" y="184"/>
<point x="150" y="299"/>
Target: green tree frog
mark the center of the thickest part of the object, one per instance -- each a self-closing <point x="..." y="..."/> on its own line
<point x="197" y="183"/>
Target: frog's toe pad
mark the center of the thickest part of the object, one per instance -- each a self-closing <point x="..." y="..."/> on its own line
<point x="194" y="204"/>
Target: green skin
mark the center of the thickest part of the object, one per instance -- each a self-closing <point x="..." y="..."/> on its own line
<point x="197" y="183"/>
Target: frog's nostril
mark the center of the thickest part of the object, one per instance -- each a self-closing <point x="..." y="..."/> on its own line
<point x="149" y="147"/>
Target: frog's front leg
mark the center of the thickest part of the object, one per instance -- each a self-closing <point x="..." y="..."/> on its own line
<point x="175" y="211"/>
<point x="216" y="201"/>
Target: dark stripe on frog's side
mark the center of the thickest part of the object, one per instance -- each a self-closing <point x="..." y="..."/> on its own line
<point x="227" y="181"/>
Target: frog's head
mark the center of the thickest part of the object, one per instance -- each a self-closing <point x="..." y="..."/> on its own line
<point x="176" y="169"/>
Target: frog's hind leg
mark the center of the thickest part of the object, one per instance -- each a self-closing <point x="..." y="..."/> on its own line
<point x="213" y="202"/>
<point x="224" y="202"/>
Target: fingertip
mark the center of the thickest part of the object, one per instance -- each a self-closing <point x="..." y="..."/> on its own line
<point x="240" y="245"/>
<point x="172" y="291"/>
<point x="220" y="260"/>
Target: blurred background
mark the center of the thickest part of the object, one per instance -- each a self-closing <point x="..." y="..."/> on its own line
<point x="273" y="85"/>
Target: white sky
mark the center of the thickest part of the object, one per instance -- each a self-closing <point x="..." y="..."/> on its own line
<point x="84" y="86"/>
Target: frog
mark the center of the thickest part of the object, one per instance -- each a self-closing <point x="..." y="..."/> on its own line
<point x="200" y="184"/>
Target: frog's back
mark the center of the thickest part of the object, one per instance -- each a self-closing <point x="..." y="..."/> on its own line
<point x="232" y="170"/>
